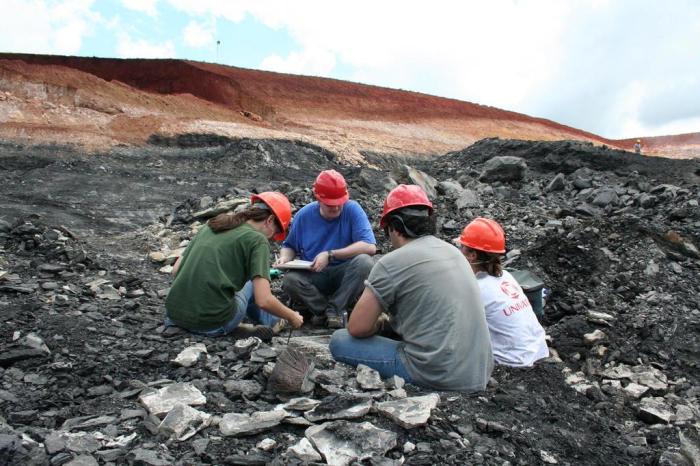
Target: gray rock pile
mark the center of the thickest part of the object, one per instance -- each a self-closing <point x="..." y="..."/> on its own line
<point x="88" y="374"/>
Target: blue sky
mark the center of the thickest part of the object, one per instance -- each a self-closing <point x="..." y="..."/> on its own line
<point x="617" y="68"/>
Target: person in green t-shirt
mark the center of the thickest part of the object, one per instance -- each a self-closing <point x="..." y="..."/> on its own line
<point x="224" y="274"/>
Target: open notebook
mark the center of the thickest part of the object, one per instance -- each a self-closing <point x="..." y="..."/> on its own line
<point x="296" y="264"/>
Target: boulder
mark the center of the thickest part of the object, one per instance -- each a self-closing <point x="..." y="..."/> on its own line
<point x="505" y="168"/>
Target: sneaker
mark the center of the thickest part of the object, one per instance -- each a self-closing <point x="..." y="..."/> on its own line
<point x="333" y="320"/>
<point x="318" y="321"/>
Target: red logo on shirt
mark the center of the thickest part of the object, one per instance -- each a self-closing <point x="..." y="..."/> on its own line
<point x="519" y="306"/>
<point x="509" y="289"/>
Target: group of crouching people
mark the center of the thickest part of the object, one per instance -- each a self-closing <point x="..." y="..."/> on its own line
<point x="437" y="315"/>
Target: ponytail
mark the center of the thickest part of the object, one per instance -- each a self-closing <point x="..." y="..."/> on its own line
<point x="229" y="221"/>
<point x="488" y="262"/>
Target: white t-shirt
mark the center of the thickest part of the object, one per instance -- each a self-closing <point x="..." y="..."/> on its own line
<point x="517" y="338"/>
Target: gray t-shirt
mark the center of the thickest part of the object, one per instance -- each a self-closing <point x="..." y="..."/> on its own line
<point x="433" y="298"/>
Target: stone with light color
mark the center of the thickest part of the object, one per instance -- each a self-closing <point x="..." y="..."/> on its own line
<point x="183" y="421"/>
<point x="157" y="256"/>
<point x="239" y="424"/>
<point x="654" y="410"/>
<point x="409" y="412"/>
<point x="368" y="378"/>
<point x="300" y="404"/>
<point x="344" y="442"/>
<point x="598" y="317"/>
<point x="635" y="390"/>
<point x="163" y="400"/>
<point x="339" y="407"/>
<point x="266" y="444"/>
<point x="190" y="355"/>
<point x="304" y="451"/>
<point x="594" y="337"/>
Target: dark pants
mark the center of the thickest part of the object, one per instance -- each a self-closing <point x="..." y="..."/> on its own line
<point x="332" y="289"/>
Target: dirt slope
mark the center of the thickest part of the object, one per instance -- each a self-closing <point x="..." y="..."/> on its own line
<point x="98" y="103"/>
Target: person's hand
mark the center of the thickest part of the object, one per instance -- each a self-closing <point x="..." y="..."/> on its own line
<point x="279" y="260"/>
<point x="296" y="319"/>
<point x="383" y="322"/>
<point x="321" y="261"/>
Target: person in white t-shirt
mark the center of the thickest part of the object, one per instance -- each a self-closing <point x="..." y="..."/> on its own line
<point x="517" y="338"/>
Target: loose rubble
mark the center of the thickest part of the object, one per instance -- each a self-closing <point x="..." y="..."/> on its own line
<point x="89" y="374"/>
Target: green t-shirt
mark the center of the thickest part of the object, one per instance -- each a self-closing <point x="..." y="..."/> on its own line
<point x="213" y="268"/>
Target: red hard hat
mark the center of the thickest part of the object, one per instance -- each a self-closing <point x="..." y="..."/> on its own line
<point x="330" y="188"/>
<point x="404" y="195"/>
<point x="484" y="234"/>
<point x="280" y="206"/>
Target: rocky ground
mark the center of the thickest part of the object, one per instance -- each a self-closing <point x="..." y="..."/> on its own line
<point x="88" y="375"/>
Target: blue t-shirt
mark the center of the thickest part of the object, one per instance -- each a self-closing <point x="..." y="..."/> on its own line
<point x="311" y="234"/>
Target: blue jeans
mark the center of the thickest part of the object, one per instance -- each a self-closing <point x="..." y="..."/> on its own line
<point x="379" y="353"/>
<point x="244" y="300"/>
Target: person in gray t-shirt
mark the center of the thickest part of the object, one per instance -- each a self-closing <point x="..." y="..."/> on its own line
<point x="432" y="298"/>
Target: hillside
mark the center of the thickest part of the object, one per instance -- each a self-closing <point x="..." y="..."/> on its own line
<point x="97" y="103"/>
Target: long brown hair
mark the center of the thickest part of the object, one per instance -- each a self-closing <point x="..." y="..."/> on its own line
<point x="228" y="221"/>
<point x="489" y="262"/>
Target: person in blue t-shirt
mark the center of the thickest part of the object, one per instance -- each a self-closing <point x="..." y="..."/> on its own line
<point x="334" y="233"/>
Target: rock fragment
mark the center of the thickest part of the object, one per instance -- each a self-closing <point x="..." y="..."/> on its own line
<point x="594" y="337"/>
<point x="368" y="378"/>
<point x="654" y="410"/>
<point x="189" y="356"/>
<point x="343" y="442"/>
<point x="558" y="183"/>
<point x="239" y="424"/>
<point x="409" y="412"/>
<point x="304" y="451"/>
<point x="635" y="390"/>
<point x="163" y="400"/>
<point x="339" y="407"/>
<point x="183" y="421"/>
<point x="248" y="389"/>
<point x="503" y="168"/>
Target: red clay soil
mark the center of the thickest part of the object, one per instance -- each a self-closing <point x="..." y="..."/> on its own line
<point x="96" y="103"/>
<point x="682" y="146"/>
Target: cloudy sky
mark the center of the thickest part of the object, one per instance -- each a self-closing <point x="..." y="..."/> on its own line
<point x="617" y="68"/>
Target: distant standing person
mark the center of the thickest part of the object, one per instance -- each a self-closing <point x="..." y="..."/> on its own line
<point x="432" y="298"/>
<point x="334" y="233"/>
<point x="224" y="274"/>
<point x="517" y="338"/>
<point x="638" y="147"/>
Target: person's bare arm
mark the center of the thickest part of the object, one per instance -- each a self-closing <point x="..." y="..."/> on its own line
<point x="322" y="260"/>
<point x="364" y="320"/>
<point x="267" y="301"/>
<point x="176" y="266"/>
<point x="355" y="249"/>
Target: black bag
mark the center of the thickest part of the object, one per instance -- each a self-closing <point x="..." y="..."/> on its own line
<point x="532" y="285"/>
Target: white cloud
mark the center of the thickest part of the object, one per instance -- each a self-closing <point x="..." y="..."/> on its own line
<point x="610" y="67"/>
<point x="573" y="62"/>
<point x="233" y="11"/>
<point x="142" y="6"/>
<point x="198" y="35"/>
<point x="139" y="48"/>
<point x="39" y="26"/>
<point x="630" y="68"/>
